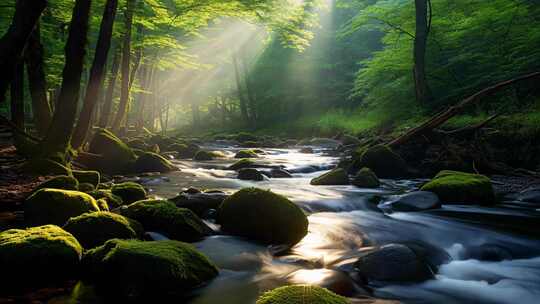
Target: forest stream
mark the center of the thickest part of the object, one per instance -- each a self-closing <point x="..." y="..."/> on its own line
<point x="476" y="263"/>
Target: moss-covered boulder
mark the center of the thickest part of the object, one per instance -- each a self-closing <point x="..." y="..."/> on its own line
<point x="383" y="161"/>
<point x="461" y="187"/>
<point x="203" y="155"/>
<point x="164" y="217"/>
<point x="94" y="229"/>
<point x="152" y="162"/>
<point x="116" y="156"/>
<point x="60" y="182"/>
<point x="55" y="206"/>
<point x="44" y="166"/>
<point x="301" y="294"/>
<point x="246" y="154"/>
<point x="113" y="201"/>
<point x="337" y="176"/>
<point x="264" y="216"/>
<point x="129" y="192"/>
<point x="241" y="164"/>
<point x="86" y="187"/>
<point x="37" y="255"/>
<point x="186" y="150"/>
<point x="365" y="178"/>
<point x="134" y="269"/>
<point x="103" y="205"/>
<point x="91" y="177"/>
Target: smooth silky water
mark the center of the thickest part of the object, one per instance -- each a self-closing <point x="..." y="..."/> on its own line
<point x="344" y="223"/>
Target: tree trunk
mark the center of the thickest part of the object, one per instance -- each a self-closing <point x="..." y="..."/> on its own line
<point x="97" y="73"/>
<point x="423" y="93"/>
<point x="58" y="138"/>
<point x="253" y="111"/>
<point x="126" y="58"/>
<point x="196" y="114"/>
<point x="109" y="95"/>
<point x="243" y="105"/>
<point x="17" y="95"/>
<point x="27" y="13"/>
<point x="41" y="108"/>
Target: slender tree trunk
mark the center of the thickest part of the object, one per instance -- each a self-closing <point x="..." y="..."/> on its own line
<point x="109" y="95"/>
<point x="97" y="73"/>
<point x="27" y="13"/>
<point x="126" y="58"/>
<point x="166" y="118"/>
<point x="423" y="93"/>
<point x="17" y="95"/>
<point x="243" y="105"/>
<point x="41" y="108"/>
<point x="251" y="99"/>
<point x="58" y="138"/>
<point x="196" y="114"/>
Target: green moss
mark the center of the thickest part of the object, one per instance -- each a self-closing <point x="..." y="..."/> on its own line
<point x="187" y="150"/>
<point x="246" y="154"/>
<point x="91" y="177"/>
<point x="129" y="192"/>
<point x="383" y="161"/>
<point x="301" y="294"/>
<point x="241" y="164"/>
<point x="102" y="204"/>
<point x="94" y="229"/>
<point x="117" y="157"/>
<point x="60" y="182"/>
<point x="336" y="176"/>
<point x="55" y="206"/>
<point x="37" y="255"/>
<point x="461" y="187"/>
<point x="152" y="162"/>
<point x="207" y="155"/>
<point x="365" y="178"/>
<point x="163" y="216"/>
<point x="43" y="166"/>
<point x="135" y="269"/>
<point x="264" y="216"/>
<point x="113" y="201"/>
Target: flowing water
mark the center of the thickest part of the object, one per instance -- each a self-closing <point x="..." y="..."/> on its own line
<point x="344" y="223"/>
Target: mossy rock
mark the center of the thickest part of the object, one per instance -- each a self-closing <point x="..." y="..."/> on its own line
<point x="44" y="166"/>
<point x="461" y="187"/>
<point x="207" y="155"/>
<point x="134" y="269"/>
<point x="37" y="256"/>
<point x="94" y="229"/>
<point x="250" y="174"/>
<point x="246" y="154"/>
<point x="55" y="206"/>
<point x="152" y="162"/>
<point x="383" y="161"/>
<point x="103" y="205"/>
<point x="117" y="157"/>
<point x="129" y="192"/>
<point x="187" y="150"/>
<point x="91" y="177"/>
<point x="86" y="187"/>
<point x="138" y="144"/>
<point x="264" y="216"/>
<point x="301" y="294"/>
<point x="163" y="216"/>
<point x="365" y="178"/>
<point x="241" y="164"/>
<point x="113" y="201"/>
<point x="337" y="176"/>
<point x="64" y="182"/>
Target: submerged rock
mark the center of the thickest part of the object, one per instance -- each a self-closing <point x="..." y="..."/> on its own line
<point x="383" y="161"/>
<point x="64" y="182"/>
<point x="91" y="177"/>
<point x="94" y="229"/>
<point x="129" y="192"/>
<point x="301" y="294"/>
<point x="163" y="216"/>
<point x="37" y="256"/>
<point x="152" y="162"/>
<point x="461" y="187"/>
<point x="250" y="174"/>
<point x="414" y="201"/>
<point x="393" y="263"/>
<point x="336" y="176"/>
<point x="55" y="206"/>
<point x="264" y="216"/>
<point x="131" y="269"/>
<point x="365" y="178"/>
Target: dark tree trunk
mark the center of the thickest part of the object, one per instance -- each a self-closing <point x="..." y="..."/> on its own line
<point x="109" y="95"/>
<point x="243" y="104"/>
<point x="253" y="111"/>
<point x="143" y="97"/>
<point x="423" y="93"/>
<point x="17" y="95"/>
<point x="97" y="73"/>
<point x="41" y="108"/>
<point x="27" y="13"/>
<point x="126" y="58"/>
<point x="58" y="138"/>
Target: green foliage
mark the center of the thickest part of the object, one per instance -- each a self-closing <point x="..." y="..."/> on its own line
<point x="300" y="294"/>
